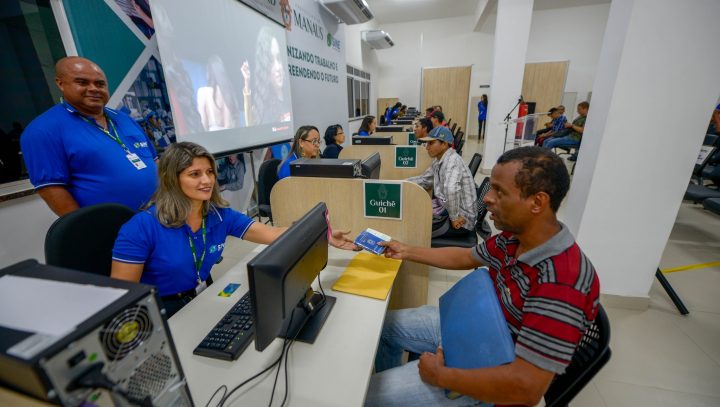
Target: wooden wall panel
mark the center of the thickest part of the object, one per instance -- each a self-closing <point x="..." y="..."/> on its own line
<point x="544" y="84"/>
<point x="449" y="88"/>
<point x="384" y="103"/>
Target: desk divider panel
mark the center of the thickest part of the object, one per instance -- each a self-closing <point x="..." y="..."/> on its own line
<point x="387" y="160"/>
<point x="292" y="197"/>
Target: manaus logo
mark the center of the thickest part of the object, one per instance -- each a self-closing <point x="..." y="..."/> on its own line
<point x="333" y="43"/>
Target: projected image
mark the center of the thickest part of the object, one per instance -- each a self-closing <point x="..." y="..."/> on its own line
<point x="216" y="101"/>
<point x="147" y="102"/>
<point x="269" y="96"/>
<point x="228" y="90"/>
<point x="139" y="13"/>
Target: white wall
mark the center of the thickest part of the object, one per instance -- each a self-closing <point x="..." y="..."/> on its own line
<point x="361" y="56"/>
<point x="574" y="34"/>
<point x="433" y="43"/>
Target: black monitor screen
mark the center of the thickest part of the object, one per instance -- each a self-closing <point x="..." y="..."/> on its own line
<point x="281" y="275"/>
<point x="371" y="166"/>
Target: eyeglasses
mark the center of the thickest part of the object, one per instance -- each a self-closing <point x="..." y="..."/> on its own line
<point x="315" y="142"/>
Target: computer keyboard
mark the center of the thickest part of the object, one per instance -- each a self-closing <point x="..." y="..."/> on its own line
<point x="231" y="335"/>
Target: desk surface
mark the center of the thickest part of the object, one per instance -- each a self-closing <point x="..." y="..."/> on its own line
<point x="334" y="371"/>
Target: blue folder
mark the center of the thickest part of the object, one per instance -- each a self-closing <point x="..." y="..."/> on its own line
<point x="474" y="330"/>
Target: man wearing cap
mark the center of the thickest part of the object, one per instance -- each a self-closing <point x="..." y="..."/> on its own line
<point x="80" y="153"/>
<point x="453" y="186"/>
<point x="554" y="127"/>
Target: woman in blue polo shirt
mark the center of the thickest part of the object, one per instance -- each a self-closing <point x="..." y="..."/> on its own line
<point x="174" y="243"/>
<point x="367" y="127"/>
<point x="306" y="144"/>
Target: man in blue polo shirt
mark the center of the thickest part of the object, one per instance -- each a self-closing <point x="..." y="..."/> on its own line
<point x="80" y="153"/>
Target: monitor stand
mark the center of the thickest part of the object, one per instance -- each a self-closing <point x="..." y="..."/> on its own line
<point x="308" y="332"/>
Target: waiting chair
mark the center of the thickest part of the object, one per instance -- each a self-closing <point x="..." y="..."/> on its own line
<point x="83" y="239"/>
<point x="471" y="239"/>
<point x="452" y="129"/>
<point x="475" y="163"/>
<point x="590" y="356"/>
<point x="267" y="177"/>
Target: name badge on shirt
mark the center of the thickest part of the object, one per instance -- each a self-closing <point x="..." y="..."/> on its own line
<point x="136" y="161"/>
<point x="202" y="285"/>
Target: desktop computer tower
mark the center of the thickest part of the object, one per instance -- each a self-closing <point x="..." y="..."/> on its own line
<point x="326" y="167"/>
<point x="117" y="334"/>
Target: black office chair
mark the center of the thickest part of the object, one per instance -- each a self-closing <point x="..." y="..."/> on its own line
<point x="590" y="356"/>
<point x="267" y="177"/>
<point x="475" y="163"/>
<point x="83" y="239"/>
<point x="452" y="129"/>
<point x="471" y="239"/>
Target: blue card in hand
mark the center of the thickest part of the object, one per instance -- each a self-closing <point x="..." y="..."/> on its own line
<point x="369" y="239"/>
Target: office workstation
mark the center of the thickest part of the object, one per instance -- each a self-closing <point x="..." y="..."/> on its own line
<point x="146" y="190"/>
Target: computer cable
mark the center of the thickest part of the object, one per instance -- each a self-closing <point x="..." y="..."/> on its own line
<point x="216" y="392"/>
<point x="93" y="378"/>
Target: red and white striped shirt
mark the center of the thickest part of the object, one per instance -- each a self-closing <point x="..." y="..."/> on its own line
<point x="549" y="295"/>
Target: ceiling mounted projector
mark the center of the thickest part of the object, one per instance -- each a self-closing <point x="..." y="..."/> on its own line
<point x="349" y="11"/>
<point x="377" y="39"/>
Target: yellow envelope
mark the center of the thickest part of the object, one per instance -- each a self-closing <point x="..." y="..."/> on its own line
<point x="368" y="275"/>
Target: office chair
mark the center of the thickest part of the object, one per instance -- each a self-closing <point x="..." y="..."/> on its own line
<point x="590" y="356"/>
<point x="83" y="239"/>
<point x="475" y="163"/>
<point x="471" y="239"/>
<point x="452" y="129"/>
<point x="267" y="177"/>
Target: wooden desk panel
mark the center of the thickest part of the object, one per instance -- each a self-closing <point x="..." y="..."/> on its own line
<point x="294" y="196"/>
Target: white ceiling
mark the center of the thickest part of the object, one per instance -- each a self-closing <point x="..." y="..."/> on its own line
<point x="399" y="11"/>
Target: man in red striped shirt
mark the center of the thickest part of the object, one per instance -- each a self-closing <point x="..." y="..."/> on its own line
<point x="547" y="288"/>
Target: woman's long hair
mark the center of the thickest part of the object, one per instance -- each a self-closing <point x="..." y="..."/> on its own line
<point x="365" y="125"/>
<point x="267" y="105"/>
<point x="300" y="134"/>
<point x="217" y="78"/>
<point x="172" y="206"/>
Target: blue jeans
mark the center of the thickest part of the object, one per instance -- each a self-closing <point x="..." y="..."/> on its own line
<point x="415" y="330"/>
<point x="561" y="142"/>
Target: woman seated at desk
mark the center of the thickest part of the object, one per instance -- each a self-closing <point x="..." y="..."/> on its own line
<point x="180" y="235"/>
<point x="367" y="127"/>
<point x="306" y="144"/>
<point x="334" y="137"/>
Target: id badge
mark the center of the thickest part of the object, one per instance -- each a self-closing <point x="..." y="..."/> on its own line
<point x="202" y="285"/>
<point x="136" y="161"/>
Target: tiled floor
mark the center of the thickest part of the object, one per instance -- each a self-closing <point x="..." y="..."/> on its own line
<point x="660" y="358"/>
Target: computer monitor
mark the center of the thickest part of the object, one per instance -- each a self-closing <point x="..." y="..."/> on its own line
<point x="372" y="140"/>
<point x="382" y="129"/>
<point x="371" y="166"/>
<point x="280" y="280"/>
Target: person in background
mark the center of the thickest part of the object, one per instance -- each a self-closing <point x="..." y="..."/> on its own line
<point x="422" y="128"/>
<point x="174" y="242"/>
<point x="555" y="125"/>
<point x="454" y="212"/>
<point x="392" y="113"/>
<point x="482" y="116"/>
<point x="547" y="288"/>
<point x="438" y="119"/>
<point x="367" y="127"/>
<point x="306" y="144"/>
<point x="80" y="153"/>
<point x="403" y="111"/>
<point x="334" y="138"/>
<point x="429" y="111"/>
<point x="576" y="130"/>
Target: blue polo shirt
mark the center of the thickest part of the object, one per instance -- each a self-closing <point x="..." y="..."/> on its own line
<point x="363" y="133"/>
<point x="60" y="148"/>
<point x="284" y="170"/>
<point x="166" y="252"/>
